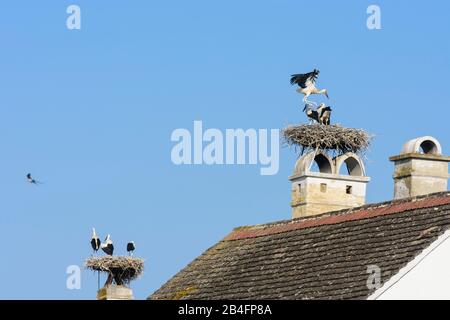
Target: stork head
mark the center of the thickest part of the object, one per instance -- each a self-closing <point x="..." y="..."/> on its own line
<point x="94" y="235"/>
<point x="107" y="238"/>
<point x="325" y="92"/>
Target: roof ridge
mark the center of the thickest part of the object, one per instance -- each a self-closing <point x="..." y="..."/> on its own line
<point x="358" y="213"/>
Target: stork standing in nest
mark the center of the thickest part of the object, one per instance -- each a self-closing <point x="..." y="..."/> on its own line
<point x="307" y="85"/>
<point x="324" y="114"/>
<point x="95" y="241"/>
<point x="95" y="244"/>
<point x="312" y="114"/>
<point x="321" y="115"/>
<point x="131" y="247"/>
<point x="108" y="246"/>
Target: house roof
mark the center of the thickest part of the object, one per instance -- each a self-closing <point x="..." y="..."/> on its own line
<point x="322" y="257"/>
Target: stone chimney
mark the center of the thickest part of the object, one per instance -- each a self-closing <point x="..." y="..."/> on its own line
<point x="115" y="292"/>
<point x="420" y="168"/>
<point x="327" y="190"/>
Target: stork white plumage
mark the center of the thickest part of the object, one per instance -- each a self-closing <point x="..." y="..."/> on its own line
<point x="307" y="85"/>
<point x="131" y="247"/>
<point x="95" y="241"/>
<point x="108" y="246"/>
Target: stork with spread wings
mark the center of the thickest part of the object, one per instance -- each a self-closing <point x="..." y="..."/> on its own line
<point x="307" y="85"/>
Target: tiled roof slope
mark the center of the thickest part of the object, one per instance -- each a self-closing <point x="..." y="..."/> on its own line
<point x="324" y="257"/>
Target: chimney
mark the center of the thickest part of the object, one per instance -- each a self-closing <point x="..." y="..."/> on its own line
<point x="420" y="168"/>
<point x="327" y="190"/>
<point x="115" y="292"/>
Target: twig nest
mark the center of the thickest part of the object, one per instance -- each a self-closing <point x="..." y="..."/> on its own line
<point x="333" y="138"/>
<point x="124" y="268"/>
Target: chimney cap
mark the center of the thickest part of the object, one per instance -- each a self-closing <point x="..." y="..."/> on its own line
<point x="423" y="145"/>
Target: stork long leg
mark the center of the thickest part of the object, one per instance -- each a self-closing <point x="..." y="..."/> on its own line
<point x="305" y="100"/>
<point x="311" y="103"/>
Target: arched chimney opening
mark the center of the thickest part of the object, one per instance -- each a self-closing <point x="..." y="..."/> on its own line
<point x="428" y="147"/>
<point x="321" y="164"/>
<point x="351" y="166"/>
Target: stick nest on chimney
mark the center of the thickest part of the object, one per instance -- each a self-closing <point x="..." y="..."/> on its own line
<point x="334" y="138"/>
<point x="123" y="269"/>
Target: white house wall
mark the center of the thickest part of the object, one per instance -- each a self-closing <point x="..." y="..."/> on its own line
<point x="426" y="277"/>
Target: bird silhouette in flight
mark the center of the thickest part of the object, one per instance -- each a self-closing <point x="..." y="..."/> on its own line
<point x="32" y="180"/>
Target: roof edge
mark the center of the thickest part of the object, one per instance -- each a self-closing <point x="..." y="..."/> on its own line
<point x="339" y="216"/>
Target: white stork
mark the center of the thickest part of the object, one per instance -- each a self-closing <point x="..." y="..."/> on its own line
<point x="131" y="247"/>
<point x="95" y="244"/>
<point x="324" y="114"/>
<point x="108" y="246"/>
<point x="311" y="114"/>
<point x="32" y="180"/>
<point x="95" y="241"/>
<point x="307" y="85"/>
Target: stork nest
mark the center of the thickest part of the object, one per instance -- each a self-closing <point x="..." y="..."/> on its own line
<point x="334" y="138"/>
<point x="123" y="269"/>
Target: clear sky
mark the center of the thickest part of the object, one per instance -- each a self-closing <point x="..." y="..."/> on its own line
<point x="90" y="113"/>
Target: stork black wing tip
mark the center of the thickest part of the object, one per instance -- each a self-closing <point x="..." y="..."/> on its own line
<point x="293" y="79"/>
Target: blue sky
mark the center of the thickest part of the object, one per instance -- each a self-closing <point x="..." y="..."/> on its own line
<point x="90" y="112"/>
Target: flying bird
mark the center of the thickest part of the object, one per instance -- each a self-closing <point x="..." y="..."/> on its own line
<point x="324" y="114"/>
<point x="312" y="114"/>
<point x="32" y="180"/>
<point x="307" y="84"/>
<point x="95" y="241"/>
<point x="107" y="246"/>
<point x="130" y="247"/>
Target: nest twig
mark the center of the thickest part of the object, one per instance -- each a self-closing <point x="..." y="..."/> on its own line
<point x="334" y="138"/>
<point x="122" y="269"/>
